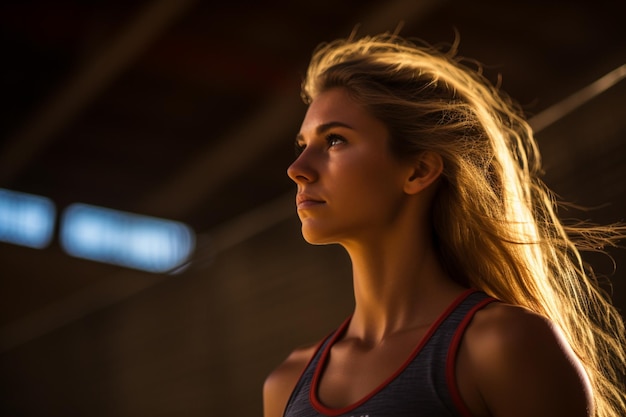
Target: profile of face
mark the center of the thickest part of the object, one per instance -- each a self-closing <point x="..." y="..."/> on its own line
<point x="350" y="185"/>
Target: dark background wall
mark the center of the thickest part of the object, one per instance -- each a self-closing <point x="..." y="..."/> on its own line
<point x="187" y="110"/>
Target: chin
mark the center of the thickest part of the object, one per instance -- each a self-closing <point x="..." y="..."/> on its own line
<point x="316" y="237"/>
<point x="314" y="240"/>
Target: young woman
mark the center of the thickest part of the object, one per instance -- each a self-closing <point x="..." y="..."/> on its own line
<point x="471" y="298"/>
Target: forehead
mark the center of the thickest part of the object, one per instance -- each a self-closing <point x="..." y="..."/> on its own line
<point x="336" y="105"/>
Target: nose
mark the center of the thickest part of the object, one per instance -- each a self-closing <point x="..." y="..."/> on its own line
<point x="301" y="170"/>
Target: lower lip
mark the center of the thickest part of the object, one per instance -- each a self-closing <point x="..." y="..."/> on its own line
<point x="309" y="204"/>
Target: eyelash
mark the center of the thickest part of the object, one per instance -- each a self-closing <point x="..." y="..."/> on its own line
<point x="332" y="139"/>
<point x="298" y="148"/>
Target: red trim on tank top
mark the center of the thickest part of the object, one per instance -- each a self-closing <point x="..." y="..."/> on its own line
<point x="332" y="412"/>
<point x="451" y="359"/>
<point x="318" y="345"/>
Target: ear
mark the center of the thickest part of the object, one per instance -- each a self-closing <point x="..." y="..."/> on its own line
<point x="425" y="170"/>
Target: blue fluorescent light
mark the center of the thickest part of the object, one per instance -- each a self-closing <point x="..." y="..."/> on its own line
<point x="26" y="219"/>
<point x="125" y="239"/>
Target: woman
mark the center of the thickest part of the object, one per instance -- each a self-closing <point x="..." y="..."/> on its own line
<point x="470" y="295"/>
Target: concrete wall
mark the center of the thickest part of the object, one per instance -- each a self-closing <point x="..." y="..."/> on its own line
<point x="195" y="344"/>
<point x="201" y="343"/>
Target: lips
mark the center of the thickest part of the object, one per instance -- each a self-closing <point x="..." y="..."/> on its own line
<point x="304" y="201"/>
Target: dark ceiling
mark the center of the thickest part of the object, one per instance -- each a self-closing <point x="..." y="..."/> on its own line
<point x="187" y="110"/>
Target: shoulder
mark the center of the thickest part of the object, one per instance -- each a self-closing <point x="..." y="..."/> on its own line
<point x="281" y="381"/>
<point x="520" y="364"/>
<point x="500" y="326"/>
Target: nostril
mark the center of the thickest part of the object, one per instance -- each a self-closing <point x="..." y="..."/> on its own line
<point x="300" y="174"/>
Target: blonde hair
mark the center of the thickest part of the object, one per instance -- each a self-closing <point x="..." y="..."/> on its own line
<point x="494" y="221"/>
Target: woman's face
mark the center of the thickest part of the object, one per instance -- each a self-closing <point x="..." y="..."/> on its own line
<point x="350" y="186"/>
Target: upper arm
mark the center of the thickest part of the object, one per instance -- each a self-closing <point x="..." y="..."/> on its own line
<point x="522" y="366"/>
<point x="281" y="382"/>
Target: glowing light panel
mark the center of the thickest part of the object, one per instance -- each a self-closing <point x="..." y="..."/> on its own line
<point x="26" y="219"/>
<point x="125" y="239"/>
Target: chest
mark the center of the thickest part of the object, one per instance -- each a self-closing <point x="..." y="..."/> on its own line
<point x="352" y="371"/>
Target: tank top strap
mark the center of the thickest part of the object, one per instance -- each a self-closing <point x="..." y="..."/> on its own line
<point x="424" y="385"/>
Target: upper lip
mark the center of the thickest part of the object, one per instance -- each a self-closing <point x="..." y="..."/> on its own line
<point x="301" y="198"/>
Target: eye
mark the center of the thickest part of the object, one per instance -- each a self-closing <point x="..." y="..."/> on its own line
<point x="334" y="139"/>
<point x="298" y="148"/>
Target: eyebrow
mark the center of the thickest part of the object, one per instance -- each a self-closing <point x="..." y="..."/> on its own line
<point x="325" y="127"/>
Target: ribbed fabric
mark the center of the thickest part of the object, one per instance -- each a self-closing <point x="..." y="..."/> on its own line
<point x="423" y="386"/>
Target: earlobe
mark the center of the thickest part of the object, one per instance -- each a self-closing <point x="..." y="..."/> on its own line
<point x="425" y="170"/>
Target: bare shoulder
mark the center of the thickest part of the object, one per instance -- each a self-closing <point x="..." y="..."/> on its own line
<point x="521" y="365"/>
<point x="281" y="381"/>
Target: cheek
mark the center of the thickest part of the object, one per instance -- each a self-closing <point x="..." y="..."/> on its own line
<point x="371" y="187"/>
<point x="375" y="174"/>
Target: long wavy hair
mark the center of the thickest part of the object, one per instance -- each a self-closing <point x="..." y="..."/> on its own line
<point x="494" y="221"/>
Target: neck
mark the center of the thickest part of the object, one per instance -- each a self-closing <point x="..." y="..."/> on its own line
<point x="399" y="284"/>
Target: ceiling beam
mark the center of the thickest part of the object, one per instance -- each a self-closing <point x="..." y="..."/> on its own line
<point x="85" y="84"/>
<point x="212" y="167"/>
<point x="215" y="165"/>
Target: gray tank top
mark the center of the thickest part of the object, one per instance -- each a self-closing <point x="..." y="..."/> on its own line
<point x="423" y="386"/>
